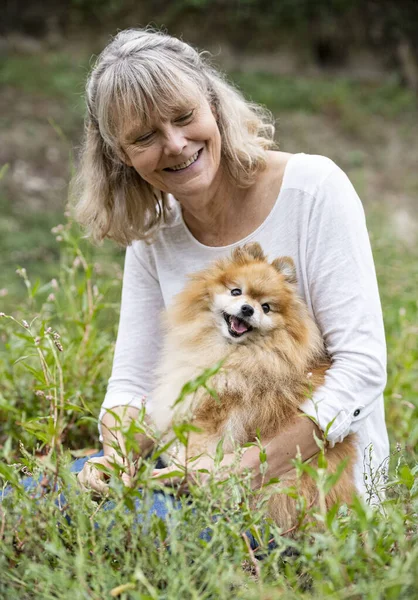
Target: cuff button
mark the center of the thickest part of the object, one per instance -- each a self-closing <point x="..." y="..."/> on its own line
<point x="356" y="412"/>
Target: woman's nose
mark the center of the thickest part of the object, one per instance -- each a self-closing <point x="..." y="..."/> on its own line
<point x="174" y="141"/>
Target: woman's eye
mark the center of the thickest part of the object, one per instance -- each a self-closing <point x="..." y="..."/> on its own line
<point x="185" y="117"/>
<point x="144" y="138"/>
<point x="236" y="292"/>
<point x="266" y="307"/>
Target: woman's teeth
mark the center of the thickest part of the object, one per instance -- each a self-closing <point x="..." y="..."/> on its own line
<point x="189" y="162"/>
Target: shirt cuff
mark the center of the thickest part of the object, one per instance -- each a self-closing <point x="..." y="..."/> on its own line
<point x="120" y="399"/>
<point x="335" y="421"/>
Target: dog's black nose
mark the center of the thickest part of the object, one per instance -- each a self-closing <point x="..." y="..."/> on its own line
<point x="247" y="310"/>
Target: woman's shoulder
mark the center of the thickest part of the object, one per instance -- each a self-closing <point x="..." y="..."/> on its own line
<point x="308" y="172"/>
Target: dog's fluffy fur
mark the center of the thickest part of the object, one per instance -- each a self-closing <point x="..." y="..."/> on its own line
<point x="246" y="311"/>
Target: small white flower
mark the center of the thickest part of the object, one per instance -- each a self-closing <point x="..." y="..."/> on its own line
<point x="51" y="298"/>
<point x="25" y="324"/>
<point x="54" y="284"/>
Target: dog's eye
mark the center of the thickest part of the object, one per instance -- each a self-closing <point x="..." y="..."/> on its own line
<point x="236" y="292"/>
<point x="266" y="307"/>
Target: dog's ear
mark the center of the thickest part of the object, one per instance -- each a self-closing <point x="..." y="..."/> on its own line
<point x="286" y="267"/>
<point x="254" y="249"/>
<point x="243" y="253"/>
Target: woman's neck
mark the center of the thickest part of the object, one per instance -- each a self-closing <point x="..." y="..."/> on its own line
<point x="226" y="214"/>
<point x="213" y="219"/>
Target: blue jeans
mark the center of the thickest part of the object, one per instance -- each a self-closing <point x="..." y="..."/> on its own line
<point x="161" y="505"/>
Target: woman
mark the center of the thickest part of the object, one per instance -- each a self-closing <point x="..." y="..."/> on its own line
<point x="178" y="167"/>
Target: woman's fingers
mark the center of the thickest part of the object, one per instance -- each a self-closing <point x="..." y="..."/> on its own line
<point x="92" y="476"/>
<point x="127" y="480"/>
<point x="169" y="475"/>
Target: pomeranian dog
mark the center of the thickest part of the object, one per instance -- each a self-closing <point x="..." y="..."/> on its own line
<point x="245" y="311"/>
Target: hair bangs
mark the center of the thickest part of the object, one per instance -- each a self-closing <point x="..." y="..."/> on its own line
<point x="137" y="94"/>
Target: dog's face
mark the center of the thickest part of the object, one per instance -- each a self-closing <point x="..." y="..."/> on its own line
<point x="251" y="297"/>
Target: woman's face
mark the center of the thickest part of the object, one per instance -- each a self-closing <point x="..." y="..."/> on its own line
<point x="179" y="155"/>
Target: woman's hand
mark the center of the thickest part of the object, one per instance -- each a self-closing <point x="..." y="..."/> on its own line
<point x="91" y="477"/>
<point x="113" y="424"/>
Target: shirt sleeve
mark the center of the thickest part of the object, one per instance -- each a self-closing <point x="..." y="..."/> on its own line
<point x="138" y="341"/>
<point x="345" y="300"/>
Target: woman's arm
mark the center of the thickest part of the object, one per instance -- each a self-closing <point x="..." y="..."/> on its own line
<point x="342" y="290"/>
<point x="139" y="336"/>
<point x="297" y="439"/>
<point x="113" y="425"/>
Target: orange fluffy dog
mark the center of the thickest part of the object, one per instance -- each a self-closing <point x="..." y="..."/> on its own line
<point x="246" y="311"/>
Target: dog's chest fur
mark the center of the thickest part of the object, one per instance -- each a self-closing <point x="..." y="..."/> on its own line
<point x="257" y="393"/>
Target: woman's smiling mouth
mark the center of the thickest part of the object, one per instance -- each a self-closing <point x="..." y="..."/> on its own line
<point x="185" y="165"/>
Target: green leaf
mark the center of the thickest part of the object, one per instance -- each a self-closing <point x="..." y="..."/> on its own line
<point x="192" y="386"/>
<point x="10" y="475"/>
<point x="74" y="407"/>
<point x="328" y="427"/>
<point x="331" y="514"/>
<point x="170" y="475"/>
<point x="37" y="373"/>
<point x="263" y="456"/>
<point x="333" y="478"/>
<point x="219" y="453"/>
<point x="406" y="477"/>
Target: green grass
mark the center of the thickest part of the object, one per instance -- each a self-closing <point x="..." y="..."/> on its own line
<point x="359" y="553"/>
<point x="321" y="94"/>
<point x="49" y="400"/>
<point x="52" y="74"/>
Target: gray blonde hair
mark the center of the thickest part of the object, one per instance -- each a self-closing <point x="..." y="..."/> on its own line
<point x="140" y="69"/>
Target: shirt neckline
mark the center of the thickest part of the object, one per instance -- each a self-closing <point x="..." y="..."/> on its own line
<point x="248" y="237"/>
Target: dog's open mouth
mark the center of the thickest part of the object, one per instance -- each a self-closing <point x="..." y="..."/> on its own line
<point x="236" y="326"/>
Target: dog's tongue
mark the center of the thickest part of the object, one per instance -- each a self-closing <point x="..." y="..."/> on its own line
<point x="238" y="326"/>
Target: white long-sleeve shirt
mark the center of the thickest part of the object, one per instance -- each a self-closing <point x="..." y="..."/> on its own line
<point x="319" y="221"/>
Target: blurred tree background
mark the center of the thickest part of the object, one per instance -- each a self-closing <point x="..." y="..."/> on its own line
<point x="324" y="33"/>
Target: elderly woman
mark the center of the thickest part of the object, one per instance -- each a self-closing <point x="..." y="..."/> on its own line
<point x="180" y="168"/>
